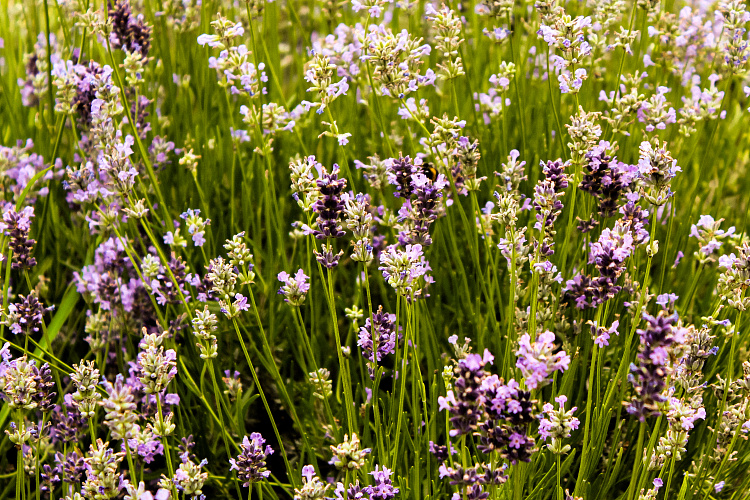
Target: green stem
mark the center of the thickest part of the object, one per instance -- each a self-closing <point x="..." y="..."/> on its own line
<point x="263" y="397"/>
<point x="632" y="488"/>
<point x="282" y="387"/>
<point x="165" y="441"/>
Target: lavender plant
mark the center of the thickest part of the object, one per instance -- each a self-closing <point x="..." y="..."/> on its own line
<point x="240" y="242"/>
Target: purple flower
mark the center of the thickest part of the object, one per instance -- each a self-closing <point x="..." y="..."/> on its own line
<point x="547" y="195"/>
<point x="330" y="205"/>
<point x="608" y="255"/>
<point x="400" y="172"/>
<point x="709" y="236"/>
<point x="327" y="257"/>
<point x="129" y="32"/>
<point x="558" y="425"/>
<point x="382" y="342"/>
<point x="294" y="289"/>
<point x="465" y="402"/>
<point x="419" y="210"/>
<point x="648" y="377"/>
<point x="441" y="452"/>
<point x="251" y="462"/>
<point x="602" y="335"/>
<point x="406" y="270"/>
<point x="145" y="443"/>
<point x="382" y="489"/>
<point x="240" y="302"/>
<point x="196" y="225"/>
<point x="605" y="179"/>
<point x="666" y="300"/>
<point x="25" y="316"/>
<point x="537" y="361"/>
<point x="17" y="225"/>
<point x="677" y="259"/>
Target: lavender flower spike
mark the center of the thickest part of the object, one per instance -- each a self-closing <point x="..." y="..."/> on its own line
<point x="536" y="360"/>
<point x="294" y="289"/>
<point x="404" y="268"/>
<point x="251" y="462"/>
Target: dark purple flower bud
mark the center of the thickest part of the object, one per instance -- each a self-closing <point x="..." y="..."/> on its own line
<point x="604" y="179"/>
<point x="327" y="258"/>
<point x="71" y="467"/>
<point x="50" y="478"/>
<point x="400" y="173"/>
<point x="547" y="195"/>
<point x="441" y="452"/>
<point x="66" y="421"/>
<point x="17" y="225"/>
<point x="330" y="205"/>
<point x="25" y="316"/>
<point x="129" y="32"/>
<point x="86" y="93"/>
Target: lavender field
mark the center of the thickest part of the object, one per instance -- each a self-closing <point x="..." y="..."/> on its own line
<point x="375" y="250"/>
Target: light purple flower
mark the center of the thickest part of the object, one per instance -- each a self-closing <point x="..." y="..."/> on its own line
<point x="294" y="289"/>
<point x="537" y="361"/>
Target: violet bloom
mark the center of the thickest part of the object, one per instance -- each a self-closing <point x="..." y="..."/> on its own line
<point x="656" y="169"/>
<point x="440" y="452"/>
<point x="17" y="225"/>
<point x="605" y="179"/>
<point x="465" y="401"/>
<point x="382" y="488"/>
<point x="421" y="211"/>
<point x="25" y="316"/>
<point x="21" y="164"/>
<point x="667" y="300"/>
<point x="312" y="487"/>
<point x="508" y="411"/>
<point x="72" y="468"/>
<point x="294" y="289"/>
<point x="547" y="195"/>
<point x="406" y="270"/>
<point x="601" y="335"/>
<point x="67" y="424"/>
<point x="649" y="375"/>
<point x="557" y="425"/>
<point x="156" y="367"/>
<point x="120" y="407"/>
<point x="383" y="342"/>
<point x="634" y="218"/>
<point x="145" y="443"/>
<point x="251" y="462"/>
<point x="400" y="172"/>
<point x="608" y="255"/>
<point x="196" y="225"/>
<point x="656" y="112"/>
<point x="537" y="361"/>
<point x="129" y="32"/>
<point x="709" y="237"/>
<point x="25" y="385"/>
<point x="330" y="205"/>
<point x="678" y="258"/>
